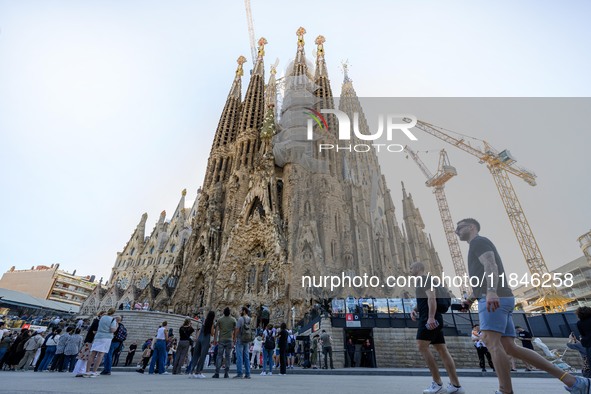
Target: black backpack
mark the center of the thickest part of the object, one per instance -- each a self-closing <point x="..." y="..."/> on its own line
<point x="265" y="314"/>
<point x="47" y="338"/>
<point x="443" y="299"/>
<point x="442" y="295"/>
<point x="121" y="333"/>
<point x="269" y="341"/>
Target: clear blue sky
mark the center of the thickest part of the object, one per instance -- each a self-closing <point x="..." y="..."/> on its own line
<point x="108" y="108"/>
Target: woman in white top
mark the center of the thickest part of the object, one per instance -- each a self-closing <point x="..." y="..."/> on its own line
<point x="51" y="347"/>
<point x="159" y="355"/>
<point x="257" y="347"/>
<point x="102" y="341"/>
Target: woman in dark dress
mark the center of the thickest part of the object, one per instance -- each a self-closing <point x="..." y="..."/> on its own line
<point x="16" y="352"/>
<point x="283" y="349"/>
<point x="366" y="354"/>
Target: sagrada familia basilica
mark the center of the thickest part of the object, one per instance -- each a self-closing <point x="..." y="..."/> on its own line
<point x="273" y="208"/>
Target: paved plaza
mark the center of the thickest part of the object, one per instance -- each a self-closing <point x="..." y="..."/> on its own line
<point x="131" y="382"/>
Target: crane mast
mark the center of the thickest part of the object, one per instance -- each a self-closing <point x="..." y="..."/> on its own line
<point x="500" y="164"/>
<point x="444" y="173"/>
<point x="253" y="50"/>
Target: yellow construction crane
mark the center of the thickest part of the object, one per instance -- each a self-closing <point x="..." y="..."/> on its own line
<point x="500" y="165"/>
<point x="445" y="171"/>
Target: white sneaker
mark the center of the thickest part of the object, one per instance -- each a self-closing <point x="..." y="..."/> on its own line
<point x="200" y="376"/>
<point x="263" y="373"/>
<point x="434" y="389"/>
<point x="455" y="390"/>
<point x="165" y="373"/>
<point x="270" y="373"/>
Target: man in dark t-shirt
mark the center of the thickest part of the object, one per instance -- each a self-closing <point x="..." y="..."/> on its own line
<point x="130" y="354"/>
<point x="495" y="311"/>
<point x="430" y="332"/>
<point x="478" y="246"/>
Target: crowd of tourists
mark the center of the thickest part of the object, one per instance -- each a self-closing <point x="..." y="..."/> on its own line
<point x="221" y="341"/>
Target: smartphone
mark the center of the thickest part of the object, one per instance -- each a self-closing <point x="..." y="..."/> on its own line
<point x="436" y="325"/>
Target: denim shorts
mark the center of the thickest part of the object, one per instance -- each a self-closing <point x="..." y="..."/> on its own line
<point x="500" y="320"/>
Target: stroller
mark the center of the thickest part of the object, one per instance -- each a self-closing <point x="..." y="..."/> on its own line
<point x="555" y="356"/>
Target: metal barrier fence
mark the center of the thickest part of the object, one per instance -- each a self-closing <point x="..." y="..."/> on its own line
<point x="558" y="325"/>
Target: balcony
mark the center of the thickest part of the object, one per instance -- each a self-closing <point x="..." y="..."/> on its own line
<point x="58" y="298"/>
<point x="77" y="292"/>
<point x="77" y="283"/>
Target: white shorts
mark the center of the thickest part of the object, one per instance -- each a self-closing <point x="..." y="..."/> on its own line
<point x="101" y="345"/>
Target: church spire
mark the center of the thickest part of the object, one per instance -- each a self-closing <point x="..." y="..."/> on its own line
<point x="226" y="130"/>
<point x="219" y="162"/>
<point x="323" y="91"/>
<point x="180" y="208"/>
<point x="350" y="103"/>
<point x="140" y="230"/>
<point x="299" y="65"/>
<point x="268" y="128"/>
<point x="259" y="67"/>
<point x="271" y="89"/>
<point x="320" y="62"/>
<point x="162" y="217"/>
<point x="347" y="89"/>
<point x="254" y="100"/>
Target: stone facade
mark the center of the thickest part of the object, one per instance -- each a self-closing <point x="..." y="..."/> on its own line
<point x="143" y="271"/>
<point x="273" y="208"/>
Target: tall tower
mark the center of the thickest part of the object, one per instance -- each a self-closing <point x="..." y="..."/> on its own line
<point x="275" y="208"/>
<point x="238" y="247"/>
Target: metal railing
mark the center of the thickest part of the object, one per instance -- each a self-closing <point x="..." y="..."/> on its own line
<point x="558" y="325"/>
